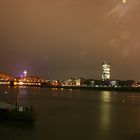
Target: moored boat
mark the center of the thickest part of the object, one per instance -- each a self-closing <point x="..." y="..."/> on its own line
<point x="18" y="113"/>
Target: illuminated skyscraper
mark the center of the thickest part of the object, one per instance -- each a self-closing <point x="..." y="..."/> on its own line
<point x="105" y="71"/>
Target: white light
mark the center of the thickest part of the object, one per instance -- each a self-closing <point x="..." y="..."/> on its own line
<point x="124" y="1"/>
<point x="25" y="73"/>
<point x="20" y="83"/>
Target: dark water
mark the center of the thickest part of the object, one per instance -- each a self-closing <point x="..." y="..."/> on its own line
<point x="75" y="115"/>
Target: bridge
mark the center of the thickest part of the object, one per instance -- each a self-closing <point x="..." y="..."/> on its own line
<point x="5" y="77"/>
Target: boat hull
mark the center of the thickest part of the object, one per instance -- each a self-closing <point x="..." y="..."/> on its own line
<point x="15" y="114"/>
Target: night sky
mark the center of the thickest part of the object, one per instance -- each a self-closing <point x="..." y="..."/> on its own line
<point x="58" y="39"/>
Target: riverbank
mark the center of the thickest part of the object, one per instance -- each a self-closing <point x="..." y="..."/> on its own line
<point x="125" y="89"/>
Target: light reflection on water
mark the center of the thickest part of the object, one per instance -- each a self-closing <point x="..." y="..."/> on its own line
<point x="75" y="115"/>
<point x="106" y="96"/>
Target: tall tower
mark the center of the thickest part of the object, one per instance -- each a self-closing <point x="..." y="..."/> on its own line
<point x="25" y="73"/>
<point x="105" y="71"/>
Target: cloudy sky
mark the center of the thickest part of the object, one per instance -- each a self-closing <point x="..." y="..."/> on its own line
<point x="57" y="39"/>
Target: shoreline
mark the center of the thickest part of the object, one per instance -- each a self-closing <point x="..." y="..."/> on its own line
<point x="124" y="89"/>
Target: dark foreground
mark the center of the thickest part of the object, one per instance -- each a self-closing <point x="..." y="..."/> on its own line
<point x="75" y="115"/>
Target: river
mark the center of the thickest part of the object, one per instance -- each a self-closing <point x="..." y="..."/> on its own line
<point x="74" y="115"/>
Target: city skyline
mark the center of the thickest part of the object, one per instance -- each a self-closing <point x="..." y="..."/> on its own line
<point x="105" y="75"/>
<point x="67" y="38"/>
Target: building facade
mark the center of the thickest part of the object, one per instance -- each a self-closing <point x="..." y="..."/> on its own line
<point x="105" y="71"/>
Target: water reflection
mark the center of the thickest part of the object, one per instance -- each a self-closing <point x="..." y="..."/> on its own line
<point x="105" y="108"/>
<point x="105" y="115"/>
<point x="106" y="96"/>
<point x="61" y="93"/>
<point x="75" y="115"/>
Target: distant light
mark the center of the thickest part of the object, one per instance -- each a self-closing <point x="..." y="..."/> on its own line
<point x="25" y="73"/>
<point x="124" y="1"/>
<point x="20" y="83"/>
